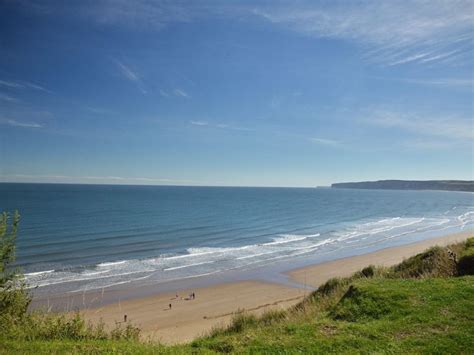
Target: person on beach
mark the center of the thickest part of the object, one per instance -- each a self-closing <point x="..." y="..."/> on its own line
<point x="170" y="305"/>
<point x="194" y="295"/>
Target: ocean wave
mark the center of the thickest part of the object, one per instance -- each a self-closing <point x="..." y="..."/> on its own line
<point x="289" y="238"/>
<point x="206" y="260"/>
<point x="187" y="265"/>
<point x="377" y="227"/>
<point x="255" y="255"/>
<point x="73" y="277"/>
<point x="112" y="263"/>
<point x="466" y="218"/>
<point x="30" y="274"/>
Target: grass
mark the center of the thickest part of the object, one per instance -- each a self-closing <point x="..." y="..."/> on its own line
<point x="422" y="305"/>
<point x="373" y="315"/>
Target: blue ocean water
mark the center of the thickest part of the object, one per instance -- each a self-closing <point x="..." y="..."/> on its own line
<point x="77" y="237"/>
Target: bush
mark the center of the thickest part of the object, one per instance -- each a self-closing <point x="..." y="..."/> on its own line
<point x="469" y="243"/>
<point x="466" y="262"/>
<point x="272" y="316"/>
<point x="14" y="300"/>
<point x="435" y="262"/>
<point x="129" y="332"/>
<point x="17" y="324"/>
<point x="241" y="321"/>
<point x="368" y="271"/>
<point x="333" y="285"/>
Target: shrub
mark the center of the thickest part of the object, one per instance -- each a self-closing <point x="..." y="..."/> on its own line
<point x="466" y="262"/>
<point x="16" y="323"/>
<point x="272" y="316"/>
<point x="241" y="321"/>
<point x="435" y="262"/>
<point x="129" y="332"/>
<point x="333" y="285"/>
<point x="469" y="243"/>
<point x="14" y="300"/>
<point x="368" y="271"/>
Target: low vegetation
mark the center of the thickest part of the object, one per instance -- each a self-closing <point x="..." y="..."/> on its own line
<point x="18" y="327"/>
<point x="422" y="305"/>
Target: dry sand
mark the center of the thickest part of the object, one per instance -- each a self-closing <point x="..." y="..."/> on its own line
<point x="189" y="318"/>
<point x="215" y="305"/>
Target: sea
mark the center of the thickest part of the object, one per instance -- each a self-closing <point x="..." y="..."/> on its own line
<point x="74" y="238"/>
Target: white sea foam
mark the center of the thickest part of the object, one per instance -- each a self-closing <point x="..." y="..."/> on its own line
<point x="187" y="265"/>
<point x="377" y="227"/>
<point x="289" y="238"/>
<point x="75" y="277"/>
<point x="30" y="274"/>
<point x="113" y="263"/>
<point x="196" y="261"/>
<point x="466" y="218"/>
<point x="255" y="255"/>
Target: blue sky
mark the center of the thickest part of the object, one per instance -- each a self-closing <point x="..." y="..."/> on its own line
<point x="235" y="93"/>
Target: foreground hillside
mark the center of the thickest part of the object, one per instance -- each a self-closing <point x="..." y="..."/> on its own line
<point x="373" y="315"/>
<point x="421" y="305"/>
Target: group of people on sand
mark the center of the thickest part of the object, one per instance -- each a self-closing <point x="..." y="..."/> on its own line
<point x="192" y="296"/>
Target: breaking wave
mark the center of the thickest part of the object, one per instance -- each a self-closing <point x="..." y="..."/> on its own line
<point x="206" y="260"/>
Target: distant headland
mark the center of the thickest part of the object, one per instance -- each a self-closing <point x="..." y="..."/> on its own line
<point x="445" y="185"/>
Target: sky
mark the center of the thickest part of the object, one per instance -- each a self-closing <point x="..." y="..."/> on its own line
<point x="235" y="93"/>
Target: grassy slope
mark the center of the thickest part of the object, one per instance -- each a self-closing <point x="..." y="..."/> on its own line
<point x="375" y="315"/>
<point x="415" y="307"/>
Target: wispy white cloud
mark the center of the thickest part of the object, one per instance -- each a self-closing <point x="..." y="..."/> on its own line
<point x="181" y="93"/>
<point x="100" y="111"/>
<point x="136" y="14"/>
<point x="450" y="127"/>
<point x="127" y="72"/>
<point x="199" y="123"/>
<point x="140" y="14"/>
<point x="390" y="32"/>
<point x="174" y="93"/>
<point x="223" y="126"/>
<point x="15" y="123"/>
<point x="442" y="82"/>
<point x="164" y="93"/>
<point x="10" y="84"/>
<point x="325" y="141"/>
<point x="8" y="98"/>
<point x="23" y="85"/>
<point x="130" y="75"/>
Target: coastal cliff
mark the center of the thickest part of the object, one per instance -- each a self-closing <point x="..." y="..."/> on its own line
<point x="445" y="185"/>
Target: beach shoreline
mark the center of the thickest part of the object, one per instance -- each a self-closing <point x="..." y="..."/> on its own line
<point x="215" y="305"/>
<point x="315" y="275"/>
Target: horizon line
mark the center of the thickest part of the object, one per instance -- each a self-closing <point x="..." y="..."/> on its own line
<point x="161" y="185"/>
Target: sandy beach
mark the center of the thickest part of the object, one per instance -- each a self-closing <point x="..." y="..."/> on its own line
<point x="315" y="275"/>
<point x="189" y="318"/>
<point x="215" y="305"/>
